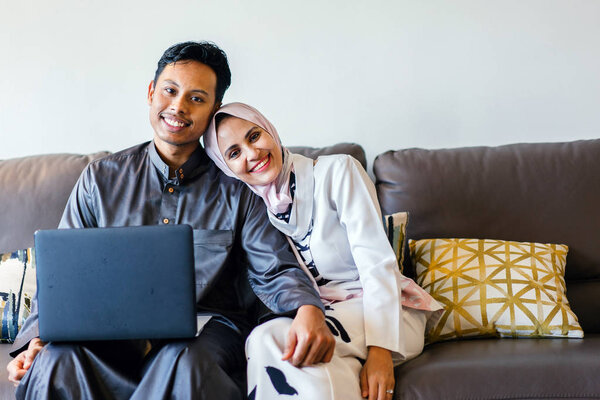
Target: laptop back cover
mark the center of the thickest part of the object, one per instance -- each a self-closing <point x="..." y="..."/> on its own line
<point x="116" y="283"/>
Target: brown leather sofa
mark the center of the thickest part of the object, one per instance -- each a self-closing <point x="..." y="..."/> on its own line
<point x="526" y="192"/>
<point x="548" y="193"/>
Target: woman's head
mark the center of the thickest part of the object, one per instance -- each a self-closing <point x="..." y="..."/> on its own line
<point x="241" y="139"/>
<point x="248" y="150"/>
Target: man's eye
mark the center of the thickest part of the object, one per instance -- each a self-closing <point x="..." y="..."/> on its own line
<point x="196" y="99"/>
<point x="170" y="90"/>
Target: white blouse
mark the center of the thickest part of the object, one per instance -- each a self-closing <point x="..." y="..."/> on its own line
<point x="349" y="246"/>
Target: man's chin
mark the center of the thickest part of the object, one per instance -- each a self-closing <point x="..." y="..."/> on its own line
<point x="176" y="142"/>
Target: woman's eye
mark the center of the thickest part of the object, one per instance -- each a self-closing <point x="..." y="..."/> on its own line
<point x="233" y="154"/>
<point x="254" y="136"/>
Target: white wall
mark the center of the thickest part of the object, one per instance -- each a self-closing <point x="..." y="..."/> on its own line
<point x="385" y="74"/>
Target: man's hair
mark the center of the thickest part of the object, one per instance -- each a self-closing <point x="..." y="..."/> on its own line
<point x="206" y="53"/>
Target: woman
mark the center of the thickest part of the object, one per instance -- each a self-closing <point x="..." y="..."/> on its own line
<point x="329" y="210"/>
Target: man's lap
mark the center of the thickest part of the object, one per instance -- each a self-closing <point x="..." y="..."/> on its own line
<point x="121" y="365"/>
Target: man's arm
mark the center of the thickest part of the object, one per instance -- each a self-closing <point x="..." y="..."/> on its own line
<point x="284" y="287"/>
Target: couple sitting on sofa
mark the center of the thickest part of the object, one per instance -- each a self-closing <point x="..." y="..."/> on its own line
<point x="348" y="283"/>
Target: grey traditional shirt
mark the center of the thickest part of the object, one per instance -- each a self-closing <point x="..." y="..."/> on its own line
<point x="237" y="251"/>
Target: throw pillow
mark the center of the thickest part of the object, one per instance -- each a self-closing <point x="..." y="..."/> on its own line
<point x="17" y="288"/>
<point x="495" y="288"/>
<point x="395" y="228"/>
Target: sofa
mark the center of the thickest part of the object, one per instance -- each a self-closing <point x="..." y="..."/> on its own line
<point x="544" y="192"/>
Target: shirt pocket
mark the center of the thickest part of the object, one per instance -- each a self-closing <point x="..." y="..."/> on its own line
<point x="211" y="251"/>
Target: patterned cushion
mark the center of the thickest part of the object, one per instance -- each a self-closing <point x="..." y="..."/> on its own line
<point x="17" y="288"/>
<point x="395" y="228"/>
<point x="495" y="288"/>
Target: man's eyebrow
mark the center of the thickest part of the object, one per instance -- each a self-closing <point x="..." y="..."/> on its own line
<point x="171" y="82"/>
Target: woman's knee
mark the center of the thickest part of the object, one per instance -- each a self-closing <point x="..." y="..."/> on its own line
<point x="415" y="322"/>
<point x="272" y="332"/>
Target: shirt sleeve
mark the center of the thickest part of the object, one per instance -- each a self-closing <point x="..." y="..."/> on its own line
<point x="79" y="211"/>
<point x="274" y="273"/>
<point x="355" y="200"/>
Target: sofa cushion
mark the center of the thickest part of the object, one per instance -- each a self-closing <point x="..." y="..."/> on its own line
<point x="528" y="192"/>
<point x="395" y="229"/>
<point x="17" y="288"/>
<point x="495" y="288"/>
<point x="33" y="194"/>
<point x="353" y="149"/>
<point x="503" y="369"/>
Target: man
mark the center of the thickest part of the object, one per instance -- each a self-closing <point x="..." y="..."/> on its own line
<point x="170" y="180"/>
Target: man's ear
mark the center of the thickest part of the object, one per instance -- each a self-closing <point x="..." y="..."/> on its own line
<point x="150" y="92"/>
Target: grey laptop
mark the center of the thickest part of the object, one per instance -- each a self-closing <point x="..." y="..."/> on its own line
<point x="116" y="283"/>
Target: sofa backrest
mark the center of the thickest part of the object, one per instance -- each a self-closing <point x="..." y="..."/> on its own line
<point x="353" y="149"/>
<point x="33" y="194"/>
<point x="535" y="192"/>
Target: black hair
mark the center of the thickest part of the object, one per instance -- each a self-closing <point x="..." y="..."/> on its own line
<point x="207" y="53"/>
<point x="220" y="117"/>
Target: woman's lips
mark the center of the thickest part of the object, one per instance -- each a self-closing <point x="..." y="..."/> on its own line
<point x="262" y="164"/>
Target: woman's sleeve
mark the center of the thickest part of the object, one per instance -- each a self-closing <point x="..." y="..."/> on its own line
<point x="355" y="201"/>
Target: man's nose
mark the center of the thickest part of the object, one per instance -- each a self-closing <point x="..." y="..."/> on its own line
<point x="178" y="105"/>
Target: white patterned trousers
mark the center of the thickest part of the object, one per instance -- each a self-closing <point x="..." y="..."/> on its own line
<point x="271" y="378"/>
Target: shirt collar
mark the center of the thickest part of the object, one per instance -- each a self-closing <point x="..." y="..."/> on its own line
<point x="194" y="166"/>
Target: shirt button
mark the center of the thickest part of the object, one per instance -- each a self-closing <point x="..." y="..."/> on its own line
<point x="171" y="190"/>
<point x="166" y="220"/>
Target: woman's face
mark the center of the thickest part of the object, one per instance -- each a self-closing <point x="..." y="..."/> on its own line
<point x="249" y="151"/>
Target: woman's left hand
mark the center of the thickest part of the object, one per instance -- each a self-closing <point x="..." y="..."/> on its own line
<point x="377" y="375"/>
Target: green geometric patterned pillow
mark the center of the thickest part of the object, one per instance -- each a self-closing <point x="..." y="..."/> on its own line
<point x="395" y="229"/>
<point x="17" y="288"/>
<point x="495" y="288"/>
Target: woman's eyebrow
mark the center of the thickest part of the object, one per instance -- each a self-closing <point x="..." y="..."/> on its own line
<point x="249" y="132"/>
<point x="245" y="137"/>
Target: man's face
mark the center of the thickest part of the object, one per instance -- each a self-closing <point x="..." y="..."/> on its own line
<point x="182" y="102"/>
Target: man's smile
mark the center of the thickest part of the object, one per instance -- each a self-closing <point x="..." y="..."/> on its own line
<point x="174" y="122"/>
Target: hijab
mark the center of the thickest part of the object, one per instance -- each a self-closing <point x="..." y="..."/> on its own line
<point x="276" y="194"/>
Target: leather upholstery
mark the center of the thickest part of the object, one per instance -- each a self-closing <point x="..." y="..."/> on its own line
<point x="33" y="194"/>
<point x="503" y="369"/>
<point x="544" y="192"/>
<point x="539" y="192"/>
<point x="353" y="149"/>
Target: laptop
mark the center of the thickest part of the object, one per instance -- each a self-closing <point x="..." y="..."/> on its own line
<point x="116" y="283"/>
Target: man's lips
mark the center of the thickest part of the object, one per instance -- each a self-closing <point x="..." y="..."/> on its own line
<point x="262" y="164"/>
<point x="175" y="123"/>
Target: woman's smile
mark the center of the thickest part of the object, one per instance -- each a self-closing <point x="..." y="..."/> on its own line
<point x="262" y="165"/>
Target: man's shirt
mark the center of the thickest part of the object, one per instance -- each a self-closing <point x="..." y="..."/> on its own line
<point x="237" y="251"/>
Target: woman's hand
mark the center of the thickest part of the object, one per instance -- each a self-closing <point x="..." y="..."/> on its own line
<point x="377" y="375"/>
<point x="21" y="363"/>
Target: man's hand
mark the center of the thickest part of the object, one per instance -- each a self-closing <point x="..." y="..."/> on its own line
<point x="21" y="363"/>
<point x="377" y="375"/>
<point x="309" y="339"/>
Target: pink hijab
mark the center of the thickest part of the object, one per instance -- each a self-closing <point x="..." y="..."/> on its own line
<point x="276" y="194"/>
